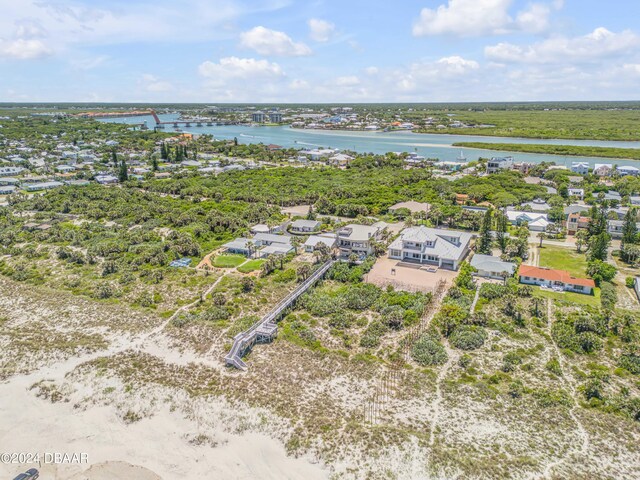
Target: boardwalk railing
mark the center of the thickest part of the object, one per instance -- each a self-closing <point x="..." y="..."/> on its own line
<point x="266" y="327"/>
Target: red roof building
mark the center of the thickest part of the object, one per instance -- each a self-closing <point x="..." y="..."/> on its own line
<point x="554" y="278"/>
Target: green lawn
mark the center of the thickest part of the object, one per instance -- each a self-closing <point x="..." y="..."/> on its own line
<point x="251" y="266"/>
<point x="563" y="259"/>
<point x="570" y="297"/>
<point x="228" y="261"/>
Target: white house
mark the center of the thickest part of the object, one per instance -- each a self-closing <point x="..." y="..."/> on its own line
<point x="304" y="226"/>
<point x="580" y="167"/>
<point x="488" y="266"/>
<point x="628" y="170"/>
<point x="106" y="179"/>
<point x="602" y="169"/>
<point x="577" y="192"/>
<point x="537" y="222"/>
<point x="561" y="279"/>
<point x="357" y="239"/>
<point x="431" y="246"/>
<point x="328" y="239"/>
<point x="497" y="164"/>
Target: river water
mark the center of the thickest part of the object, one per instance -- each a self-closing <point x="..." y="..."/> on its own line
<point x="427" y="145"/>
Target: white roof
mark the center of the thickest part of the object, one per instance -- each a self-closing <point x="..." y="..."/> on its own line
<point x="412" y="206"/>
<point x="489" y="263"/>
<point x="358" y="233"/>
<point x="514" y="215"/>
<point x="442" y="241"/>
<point x="260" y="228"/>
<point x="271" y="238"/>
<point x="305" y="224"/>
<point x="329" y="239"/>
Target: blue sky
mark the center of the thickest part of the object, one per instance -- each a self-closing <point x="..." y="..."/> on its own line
<point x="319" y="50"/>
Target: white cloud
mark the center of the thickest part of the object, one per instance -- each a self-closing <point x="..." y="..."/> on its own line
<point x="321" y="30"/>
<point x="230" y="68"/>
<point x="535" y="19"/>
<point x="599" y="44"/>
<point x="371" y="70"/>
<point x="24" y="49"/>
<point x="465" y="18"/>
<point x="153" y="84"/>
<point x="483" y="17"/>
<point x="271" y="42"/>
<point x="457" y="64"/>
<point x="347" y="81"/>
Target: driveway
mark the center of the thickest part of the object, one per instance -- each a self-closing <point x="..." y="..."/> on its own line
<point x="390" y="272"/>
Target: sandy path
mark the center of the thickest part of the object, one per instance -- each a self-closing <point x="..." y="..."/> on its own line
<point x="582" y="432"/>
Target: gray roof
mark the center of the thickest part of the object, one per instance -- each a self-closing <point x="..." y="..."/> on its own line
<point x="489" y="263"/>
<point x="237" y="244"/>
<point x="443" y="241"/>
<point x="328" y="239"/>
<point x="276" y="248"/>
<point x="575" y="209"/>
<point x="358" y="233"/>
<point x="271" y="238"/>
<point x="305" y="224"/>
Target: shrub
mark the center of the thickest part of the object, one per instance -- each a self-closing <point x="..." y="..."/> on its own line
<point x="608" y="296"/>
<point x="343" y="319"/>
<point x="393" y="317"/>
<point x="552" y="398"/>
<point x="510" y="361"/>
<point x="601" y="271"/>
<point x="361" y="297"/>
<point x="468" y="337"/>
<point x="630" y="359"/>
<point x="464" y="361"/>
<point x="554" y="367"/>
<point x="589" y="342"/>
<point x="629" y="282"/>
<point x="516" y="389"/>
<point x="373" y="334"/>
<point x="429" y="351"/>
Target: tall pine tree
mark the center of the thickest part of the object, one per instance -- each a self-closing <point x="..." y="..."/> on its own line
<point x="485" y="240"/>
<point x="123" y="174"/>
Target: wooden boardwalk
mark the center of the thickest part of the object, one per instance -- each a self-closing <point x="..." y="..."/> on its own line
<point x="266" y="329"/>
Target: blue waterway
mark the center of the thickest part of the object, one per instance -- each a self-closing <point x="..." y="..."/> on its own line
<point x="427" y="145"/>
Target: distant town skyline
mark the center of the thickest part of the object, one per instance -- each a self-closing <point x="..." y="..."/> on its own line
<point x="318" y="51"/>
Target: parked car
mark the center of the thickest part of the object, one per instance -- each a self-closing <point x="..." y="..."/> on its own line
<point x="30" y="474"/>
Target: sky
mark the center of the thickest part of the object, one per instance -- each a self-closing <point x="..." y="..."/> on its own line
<point x="314" y="51"/>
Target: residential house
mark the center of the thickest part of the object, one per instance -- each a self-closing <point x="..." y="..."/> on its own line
<point x="488" y="266"/>
<point x="340" y="159"/>
<point x="577" y="192"/>
<point x="328" y="239"/>
<point x="561" y="279"/>
<point x="431" y="246"/>
<point x="575" y="221"/>
<point x="34" y="187"/>
<point x="358" y="239"/>
<point x="7" y="189"/>
<point x="537" y="222"/>
<point x="611" y="195"/>
<point x="602" y="169"/>
<point x="497" y="164"/>
<point x="628" y="170"/>
<point x="636" y="286"/>
<point x="615" y="228"/>
<point x="65" y="168"/>
<point x="304" y="226"/>
<point x="106" y="179"/>
<point x="538" y="205"/>
<point x="580" y="167"/>
<point x="634" y="200"/>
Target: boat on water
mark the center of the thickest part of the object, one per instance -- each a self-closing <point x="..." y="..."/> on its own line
<point x="461" y="158"/>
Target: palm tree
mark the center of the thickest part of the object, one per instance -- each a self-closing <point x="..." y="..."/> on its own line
<point x="250" y="246"/>
<point x="296" y="242"/>
<point x="541" y="236"/>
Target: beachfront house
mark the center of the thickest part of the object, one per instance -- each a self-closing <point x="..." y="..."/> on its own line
<point x="488" y="266"/>
<point x="328" y="239"/>
<point x="304" y="226"/>
<point x="358" y="239"/>
<point x="431" y="246"/>
<point x="556" y="279"/>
